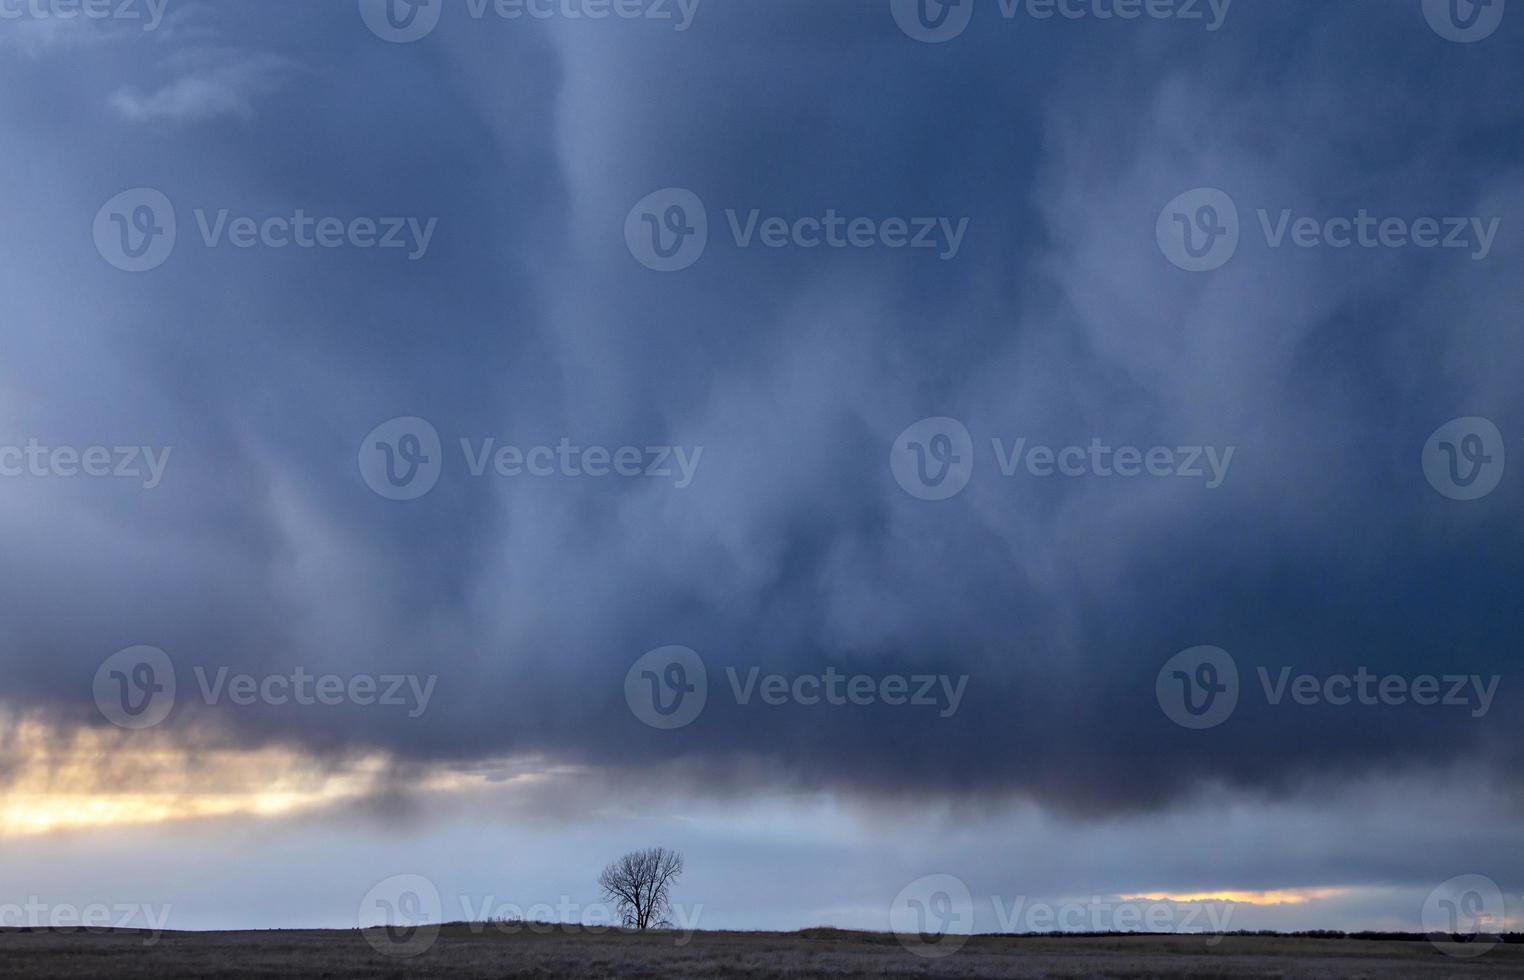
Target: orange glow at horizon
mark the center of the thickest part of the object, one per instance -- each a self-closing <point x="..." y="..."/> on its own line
<point x="1290" y="896"/>
<point x="98" y="779"/>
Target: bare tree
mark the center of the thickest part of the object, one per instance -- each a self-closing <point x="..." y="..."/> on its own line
<point x="639" y="885"/>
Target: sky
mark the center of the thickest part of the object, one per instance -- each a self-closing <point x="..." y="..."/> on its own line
<point x="1035" y="454"/>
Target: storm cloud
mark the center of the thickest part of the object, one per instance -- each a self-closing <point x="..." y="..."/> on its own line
<point x="794" y="550"/>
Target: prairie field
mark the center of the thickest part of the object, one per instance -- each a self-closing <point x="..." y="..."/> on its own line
<point x="464" y="953"/>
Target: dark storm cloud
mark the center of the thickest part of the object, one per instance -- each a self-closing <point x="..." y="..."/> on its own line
<point x="794" y="550"/>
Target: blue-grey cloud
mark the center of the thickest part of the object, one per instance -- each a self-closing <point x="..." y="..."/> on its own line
<point x="794" y="550"/>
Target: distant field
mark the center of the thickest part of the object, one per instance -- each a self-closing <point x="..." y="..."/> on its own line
<point x="459" y="954"/>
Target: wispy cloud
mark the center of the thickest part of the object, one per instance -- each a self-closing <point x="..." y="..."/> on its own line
<point x="209" y="84"/>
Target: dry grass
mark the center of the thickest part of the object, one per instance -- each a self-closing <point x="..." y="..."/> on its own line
<point x="462" y="954"/>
